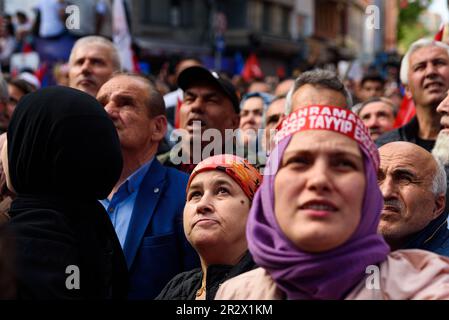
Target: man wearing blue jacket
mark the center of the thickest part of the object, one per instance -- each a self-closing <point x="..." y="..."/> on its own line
<point x="147" y="202"/>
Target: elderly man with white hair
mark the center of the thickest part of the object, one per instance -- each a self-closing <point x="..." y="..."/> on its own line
<point x="92" y="62"/>
<point x="441" y="149"/>
<point x="425" y="75"/>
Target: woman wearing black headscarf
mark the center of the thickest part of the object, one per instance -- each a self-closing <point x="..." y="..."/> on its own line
<point x="63" y="155"/>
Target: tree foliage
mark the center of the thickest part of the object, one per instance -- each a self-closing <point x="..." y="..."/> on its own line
<point x="409" y="28"/>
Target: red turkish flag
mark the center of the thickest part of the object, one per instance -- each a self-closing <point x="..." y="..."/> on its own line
<point x="406" y="112"/>
<point x="252" y="69"/>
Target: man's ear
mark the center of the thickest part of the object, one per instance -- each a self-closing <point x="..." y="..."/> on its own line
<point x="159" y="124"/>
<point x="408" y="93"/>
<point x="440" y="204"/>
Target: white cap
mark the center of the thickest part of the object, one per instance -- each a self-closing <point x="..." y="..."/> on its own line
<point x="30" y="78"/>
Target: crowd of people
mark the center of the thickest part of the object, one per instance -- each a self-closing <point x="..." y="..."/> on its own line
<point x="111" y="189"/>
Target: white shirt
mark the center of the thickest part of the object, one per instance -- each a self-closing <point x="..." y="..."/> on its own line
<point x="51" y="24"/>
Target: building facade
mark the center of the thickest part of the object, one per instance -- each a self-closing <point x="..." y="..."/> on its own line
<point x="274" y="30"/>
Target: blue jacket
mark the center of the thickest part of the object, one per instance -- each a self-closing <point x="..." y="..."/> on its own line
<point x="435" y="236"/>
<point x="156" y="248"/>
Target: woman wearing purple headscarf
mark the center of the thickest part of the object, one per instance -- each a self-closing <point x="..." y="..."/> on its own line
<point x="312" y="227"/>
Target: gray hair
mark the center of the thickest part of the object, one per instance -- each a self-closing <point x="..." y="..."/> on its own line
<point x="324" y="78"/>
<point x="439" y="183"/>
<point x="418" y="44"/>
<point x="359" y="107"/>
<point x="101" y="41"/>
<point x="4" y="95"/>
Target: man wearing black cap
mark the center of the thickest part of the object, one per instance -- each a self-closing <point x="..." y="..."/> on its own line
<point x="210" y="102"/>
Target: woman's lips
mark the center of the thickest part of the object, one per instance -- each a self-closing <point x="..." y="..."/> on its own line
<point x="318" y="208"/>
<point x="205" y="222"/>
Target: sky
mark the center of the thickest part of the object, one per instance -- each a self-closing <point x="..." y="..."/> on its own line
<point x="440" y="7"/>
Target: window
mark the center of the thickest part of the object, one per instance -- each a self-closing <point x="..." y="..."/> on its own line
<point x="156" y="12"/>
<point x="235" y="11"/>
<point x="174" y="13"/>
<point x="285" y="22"/>
<point x="266" y="17"/>
<point x="186" y="13"/>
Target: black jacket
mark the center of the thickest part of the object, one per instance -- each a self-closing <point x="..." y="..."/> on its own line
<point x="185" y="285"/>
<point x="408" y="132"/>
<point x="52" y="240"/>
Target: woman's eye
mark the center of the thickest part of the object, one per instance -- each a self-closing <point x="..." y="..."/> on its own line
<point x="298" y="161"/>
<point x="222" y="190"/>
<point x="345" y="164"/>
<point x="194" y="195"/>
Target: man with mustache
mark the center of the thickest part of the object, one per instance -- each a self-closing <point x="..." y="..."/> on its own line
<point x="425" y="75"/>
<point x="146" y="204"/>
<point x="210" y="102"/>
<point x="92" y="62"/>
<point x="413" y="185"/>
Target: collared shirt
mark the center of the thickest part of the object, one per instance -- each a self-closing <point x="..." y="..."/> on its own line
<point x="121" y="206"/>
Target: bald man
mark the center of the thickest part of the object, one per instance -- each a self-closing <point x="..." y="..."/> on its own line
<point x="413" y="186"/>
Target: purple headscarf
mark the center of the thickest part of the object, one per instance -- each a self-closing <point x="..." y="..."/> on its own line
<point x="326" y="275"/>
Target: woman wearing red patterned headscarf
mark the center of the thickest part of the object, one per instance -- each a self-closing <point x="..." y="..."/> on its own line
<point x="219" y="195"/>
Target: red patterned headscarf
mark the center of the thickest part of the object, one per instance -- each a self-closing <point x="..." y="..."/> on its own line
<point x="246" y="176"/>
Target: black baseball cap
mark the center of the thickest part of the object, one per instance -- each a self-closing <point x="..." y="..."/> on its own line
<point x="189" y="76"/>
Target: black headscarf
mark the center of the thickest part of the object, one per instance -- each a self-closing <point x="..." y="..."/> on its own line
<point x="64" y="154"/>
<point x="60" y="141"/>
